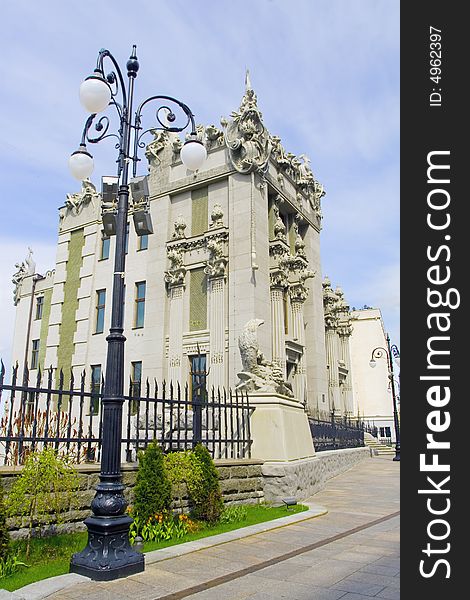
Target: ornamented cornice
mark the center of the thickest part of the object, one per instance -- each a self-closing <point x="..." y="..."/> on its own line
<point x="298" y="169"/>
<point x="213" y="241"/>
<point x="246" y="137"/>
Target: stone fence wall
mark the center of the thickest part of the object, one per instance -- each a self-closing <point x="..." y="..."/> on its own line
<point x="241" y="482"/>
<point x="305" y="477"/>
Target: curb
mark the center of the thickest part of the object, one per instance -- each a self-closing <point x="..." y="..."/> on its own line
<point x="46" y="587"/>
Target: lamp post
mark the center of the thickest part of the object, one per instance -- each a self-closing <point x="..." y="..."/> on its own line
<point x="108" y="554"/>
<point x="379" y="352"/>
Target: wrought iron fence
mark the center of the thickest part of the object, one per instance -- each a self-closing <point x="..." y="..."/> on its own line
<point x="69" y="418"/>
<point x="337" y="433"/>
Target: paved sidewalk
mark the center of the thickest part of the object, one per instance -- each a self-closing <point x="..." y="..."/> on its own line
<point x="350" y="553"/>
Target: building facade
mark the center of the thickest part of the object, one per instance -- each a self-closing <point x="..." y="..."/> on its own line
<point x="235" y="242"/>
<point x="372" y="394"/>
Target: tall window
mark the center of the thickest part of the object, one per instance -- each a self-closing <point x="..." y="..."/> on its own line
<point x="198" y="384"/>
<point x="139" y="304"/>
<point x="105" y="243"/>
<point x="197" y="300"/>
<point x="35" y="354"/>
<point x="136" y="383"/>
<point x="39" y="307"/>
<point x="143" y="242"/>
<point x="199" y="211"/>
<point x="95" y="389"/>
<point x="100" y="306"/>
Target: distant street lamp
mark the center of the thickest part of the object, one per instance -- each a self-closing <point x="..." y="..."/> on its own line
<point x="379" y="352"/>
<point x="108" y="554"/>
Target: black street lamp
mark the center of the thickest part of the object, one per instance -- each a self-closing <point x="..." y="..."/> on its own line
<point x="108" y="554"/>
<point x="378" y="353"/>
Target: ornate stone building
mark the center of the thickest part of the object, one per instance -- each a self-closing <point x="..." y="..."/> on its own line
<point x="338" y="330"/>
<point x="237" y="242"/>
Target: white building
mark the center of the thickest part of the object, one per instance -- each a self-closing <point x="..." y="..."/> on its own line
<point x="372" y="394"/>
<point x="238" y="240"/>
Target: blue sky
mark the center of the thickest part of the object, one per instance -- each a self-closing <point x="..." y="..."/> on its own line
<point x="326" y="73"/>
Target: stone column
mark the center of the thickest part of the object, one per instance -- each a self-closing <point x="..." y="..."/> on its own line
<point x="347" y="386"/>
<point x="278" y="330"/>
<point x="300" y="380"/>
<point x="175" y="351"/>
<point x="217" y="333"/>
<point x="332" y="361"/>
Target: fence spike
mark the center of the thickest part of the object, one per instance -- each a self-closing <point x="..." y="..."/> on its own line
<point x="38" y="378"/>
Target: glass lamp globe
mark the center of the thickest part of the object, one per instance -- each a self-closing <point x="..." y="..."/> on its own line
<point x="372" y="363"/>
<point x="81" y="163"/>
<point x="193" y="154"/>
<point x="95" y="94"/>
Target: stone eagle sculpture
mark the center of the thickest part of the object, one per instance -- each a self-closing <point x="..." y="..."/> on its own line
<point x="258" y="373"/>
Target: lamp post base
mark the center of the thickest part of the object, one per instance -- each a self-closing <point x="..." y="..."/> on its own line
<point x="397" y="453"/>
<point x="108" y="554"/>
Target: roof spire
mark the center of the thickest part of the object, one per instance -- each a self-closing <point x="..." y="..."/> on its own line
<point x="247" y="80"/>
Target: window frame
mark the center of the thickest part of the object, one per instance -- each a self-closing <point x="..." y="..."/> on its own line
<point x="100" y="311"/>
<point x="35" y="346"/>
<point x="39" y="308"/>
<point x="139" y="304"/>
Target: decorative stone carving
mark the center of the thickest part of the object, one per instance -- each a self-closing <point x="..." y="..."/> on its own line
<point x="217" y="216"/>
<point x="245" y="135"/>
<point x="76" y="202"/>
<point x="336" y="310"/>
<point x="279" y="227"/>
<point x="180" y="226"/>
<point x="25" y="269"/>
<point x="214" y="137"/>
<point x="258" y="373"/>
<point x="216" y="266"/>
<point x="299" y="244"/>
<point x="160" y="141"/>
<point x="177" y="271"/>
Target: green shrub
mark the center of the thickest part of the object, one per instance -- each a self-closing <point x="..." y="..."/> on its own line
<point x="208" y="503"/>
<point x="152" y="491"/>
<point x="4" y="535"/>
<point x="184" y="469"/>
<point x="44" y="490"/>
<point x="232" y="514"/>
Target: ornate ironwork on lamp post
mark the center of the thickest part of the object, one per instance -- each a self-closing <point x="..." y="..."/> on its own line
<point x="379" y="352"/>
<point x="108" y="554"/>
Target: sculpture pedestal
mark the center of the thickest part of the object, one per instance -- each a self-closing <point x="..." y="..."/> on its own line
<point x="279" y="428"/>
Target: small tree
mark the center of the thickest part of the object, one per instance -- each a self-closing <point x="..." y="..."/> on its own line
<point x="208" y="498"/>
<point x="44" y="490"/>
<point x="152" y="491"/>
<point x="4" y="535"/>
<point x="184" y="469"/>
